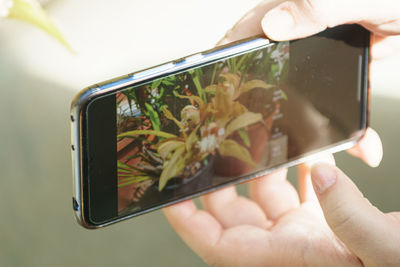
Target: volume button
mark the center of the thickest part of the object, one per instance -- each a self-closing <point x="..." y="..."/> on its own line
<point x="194" y="57"/>
<point x="154" y="70"/>
<point x="189" y="59"/>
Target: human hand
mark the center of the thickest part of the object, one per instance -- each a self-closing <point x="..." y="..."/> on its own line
<point x="278" y="227"/>
<point x="286" y="20"/>
<point x="374" y="237"/>
<point x="275" y="227"/>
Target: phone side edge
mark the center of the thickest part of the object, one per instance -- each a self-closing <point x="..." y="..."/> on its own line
<point x="76" y="117"/>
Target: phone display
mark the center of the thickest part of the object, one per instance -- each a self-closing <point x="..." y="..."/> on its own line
<point x="191" y="131"/>
<point x="166" y="138"/>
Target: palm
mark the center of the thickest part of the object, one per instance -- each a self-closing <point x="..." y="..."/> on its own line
<point x="277" y="227"/>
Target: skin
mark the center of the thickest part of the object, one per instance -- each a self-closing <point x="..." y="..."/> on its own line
<point x="327" y="222"/>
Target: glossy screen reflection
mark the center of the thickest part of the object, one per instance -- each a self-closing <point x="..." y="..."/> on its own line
<point x="207" y="126"/>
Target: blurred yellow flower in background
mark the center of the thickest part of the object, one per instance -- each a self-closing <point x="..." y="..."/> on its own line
<point x="31" y="12"/>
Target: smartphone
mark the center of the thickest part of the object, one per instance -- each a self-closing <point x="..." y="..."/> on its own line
<point x="178" y="130"/>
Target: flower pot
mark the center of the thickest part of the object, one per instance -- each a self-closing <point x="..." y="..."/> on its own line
<point x="175" y="188"/>
<point x="201" y="179"/>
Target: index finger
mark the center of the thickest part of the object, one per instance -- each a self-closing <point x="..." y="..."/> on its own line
<point x="250" y="24"/>
<point x="198" y="228"/>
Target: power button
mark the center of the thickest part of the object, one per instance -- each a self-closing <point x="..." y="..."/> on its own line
<point x="75" y="204"/>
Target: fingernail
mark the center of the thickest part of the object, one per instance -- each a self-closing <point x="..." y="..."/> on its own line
<point x="375" y="160"/>
<point x="374" y="155"/>
<point x="277" y="23"/>
<point x="323" y="177"/>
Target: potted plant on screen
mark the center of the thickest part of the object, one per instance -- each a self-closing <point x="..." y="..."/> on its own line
<point x="196" y="121"/>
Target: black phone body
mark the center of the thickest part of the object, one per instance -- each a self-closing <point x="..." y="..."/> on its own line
<point x="159" y="136"/>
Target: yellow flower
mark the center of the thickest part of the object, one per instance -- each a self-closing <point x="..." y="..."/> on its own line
<point x="190" y="117"/>
<point x="31" y="12"/>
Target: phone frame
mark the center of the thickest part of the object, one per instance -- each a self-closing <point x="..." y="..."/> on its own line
<point x="169" y="68"/>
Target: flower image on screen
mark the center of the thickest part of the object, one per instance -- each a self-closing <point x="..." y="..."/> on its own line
<point x="202" y="127"/>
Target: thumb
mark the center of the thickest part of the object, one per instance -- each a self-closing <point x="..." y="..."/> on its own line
<point x="301" y="18"/>
<point x="365" y="230"/>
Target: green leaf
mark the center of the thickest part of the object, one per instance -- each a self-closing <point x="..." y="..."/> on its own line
<point x="161" y="93"/>
<point x="245" y="137"/>
<point x="156" y="83"/>
<point x="275" y="68"/>
<point x="167" y="82"/>
<point x="132" y="177"/>
<point x="284" y="71"/>
<point x="127" y="175"/>
<point x="119" y="102"/>
<point x="196" y="81"/>
<point x="172" y="168"/>
<point x="31" y="12"/>
<point x="232" y="62"/>
<point x="213" y="73"/>
<point x="283" y="94"/>
<point x="131" y="134"/>
<point x="124" y="166"/>
<point x="241" y="60"/>
<point x="124" y="171"/>
<point x="231" y="148"/>
<point x="136" y="179"/>
<point x="243" y="120"/>
<point x="154" y="118"/>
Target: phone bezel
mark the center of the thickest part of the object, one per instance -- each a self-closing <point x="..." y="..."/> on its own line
<point x="80" y="198"/>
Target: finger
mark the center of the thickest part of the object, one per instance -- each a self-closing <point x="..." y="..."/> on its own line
<point x="274" y="194"/>
<point x="395" y="216"/>
<point x="250" y="24"/>
<point x="301" y="18"/>
<point x="369" y="148"/>
<point x="363" y="228"/>
<point x="198" y="229"/>
<point x="385" y="46"/>
<point x="306" y="190"/>
<point x="232" y="210"/>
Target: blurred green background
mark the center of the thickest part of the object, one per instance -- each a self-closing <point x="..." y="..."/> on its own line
<point x="37" y="227"/>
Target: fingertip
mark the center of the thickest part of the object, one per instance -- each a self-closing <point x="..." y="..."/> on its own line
<point x="180" y="210"/>
<point x="328" y="159"/>
<point x="307" y="187"/>
<point x="278" y="23"/>
<point x="369" y="149"/>
<point x="198" y="229"/>
<point x="323" y="176"/>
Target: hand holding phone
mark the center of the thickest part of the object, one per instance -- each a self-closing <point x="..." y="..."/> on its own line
<point x="178" y="130"/>
<point x="360" y="227"/>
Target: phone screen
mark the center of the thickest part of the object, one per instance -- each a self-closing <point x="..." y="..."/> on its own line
<point x="204" y="127"/>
